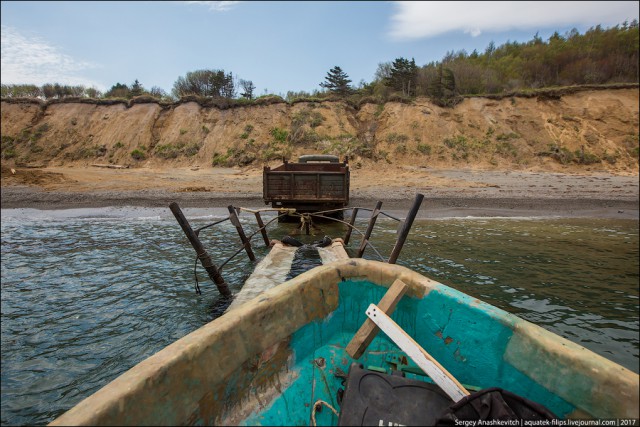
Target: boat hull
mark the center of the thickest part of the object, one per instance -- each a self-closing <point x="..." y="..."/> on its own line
<point x="270" y="359"/>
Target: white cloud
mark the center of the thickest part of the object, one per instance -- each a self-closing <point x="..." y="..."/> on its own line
<point x="422" y="19"/>
<point x="30" y="60"/>
<point x="216" y="6"/>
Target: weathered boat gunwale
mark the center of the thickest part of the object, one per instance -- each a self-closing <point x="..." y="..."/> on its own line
<point x="177" y="382"/>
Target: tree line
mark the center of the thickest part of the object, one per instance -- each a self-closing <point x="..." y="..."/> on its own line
<point x="599" y="56"/>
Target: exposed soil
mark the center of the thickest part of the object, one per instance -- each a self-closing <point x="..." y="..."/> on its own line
<point x="575" y="154"/>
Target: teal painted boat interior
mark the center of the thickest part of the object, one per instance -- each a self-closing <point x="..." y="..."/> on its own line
<point x="467" y="336"/>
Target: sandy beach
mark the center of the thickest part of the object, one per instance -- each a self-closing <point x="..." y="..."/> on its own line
<point x="448" y="192"/>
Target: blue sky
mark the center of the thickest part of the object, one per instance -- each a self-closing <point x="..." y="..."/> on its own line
<point x="279" y="46"/>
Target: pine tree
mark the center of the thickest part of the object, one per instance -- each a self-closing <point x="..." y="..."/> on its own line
<point x="337" y="81"/>
<point x="136" y="89"/>
<point x="442" y="89"/>
<point x="403" y="76"/>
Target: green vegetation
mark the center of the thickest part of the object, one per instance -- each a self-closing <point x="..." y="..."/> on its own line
<point x="583" y="157"/>
<point x="27" y="137"/>
<point x="7" y="145"/>
<point x="299" y="122"/>
<point x="138" y="154"/>
<point x="349" y="145"/>
<point x="506" y="149"/>
<point x="173" y="151"/>
<point x="233" y="157"/>
<point x="279" y="135"/>
<point x="247" y="131"/>
<point x="396" y="138"/>
<point x="89" y="152"/>
<point x="424" y="149"/>
<point x="599" y="56"/>
<point x="337" y="81"/>
<point x="212" y="83"/>
<point x="507" y="136"/>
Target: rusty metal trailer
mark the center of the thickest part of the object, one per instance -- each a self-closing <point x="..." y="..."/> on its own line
<point x="315" y="183"/>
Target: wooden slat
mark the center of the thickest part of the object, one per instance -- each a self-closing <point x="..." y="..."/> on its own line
<point x="424" y="360"/>
<point x="368" y="330"/>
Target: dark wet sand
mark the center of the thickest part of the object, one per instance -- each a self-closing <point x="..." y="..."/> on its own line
<point x="433" y="205"/>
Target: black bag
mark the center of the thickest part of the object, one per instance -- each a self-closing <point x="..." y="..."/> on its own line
<point x="493" y="404"/>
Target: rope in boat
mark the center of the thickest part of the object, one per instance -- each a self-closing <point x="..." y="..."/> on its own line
<point x="315" y="408"/>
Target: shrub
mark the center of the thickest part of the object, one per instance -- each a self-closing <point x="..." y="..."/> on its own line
<point x="610" y="158"/>
<point x="506" y="149"/>
<point x="560" y="154"/>
<point x="397" y="138"/>
<point x="219" y="159"/>
<point x="6" y="139"/>
<point x="507" y="136"/>
<point x="171" y="151"/>
<point x="279" y="135"/>
<point x="166" y="151"/>
<point x="424" y="149"/>
<point x="9" y="153"/>
<point x="316" y="119"/>
<point x="585" y="157"/>
<point x="138" y="154"/>
<point x="401" y="149"/>
<point x="458" y="142"/>
<point x="191" y="150"/>
<point x="269" y="100"/>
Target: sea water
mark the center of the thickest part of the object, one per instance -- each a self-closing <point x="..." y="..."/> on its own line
<point x="89" y="293"/>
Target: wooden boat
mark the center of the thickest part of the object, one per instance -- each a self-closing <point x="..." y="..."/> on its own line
<point x="270" y="360"/>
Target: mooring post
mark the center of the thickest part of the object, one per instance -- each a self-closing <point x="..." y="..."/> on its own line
<point x="367" y="234"/>
<point x="263" y="230"/>
<point x="352" y="221"/>
<point x="233" y="216"/>
<point x="203" y="256"/>
<point x="406" y="227"/>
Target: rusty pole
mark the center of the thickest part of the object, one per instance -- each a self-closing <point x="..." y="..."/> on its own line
<point x="406" y="227"/>
<point x="203" y="256"/>
<point x="367" y="234"/>
<point x="236" y="222"/>
<point x="352" y="221"/>
<point x="265" y="237"/>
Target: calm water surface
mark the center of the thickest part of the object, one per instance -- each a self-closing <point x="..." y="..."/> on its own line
<point x="87" y="294"/>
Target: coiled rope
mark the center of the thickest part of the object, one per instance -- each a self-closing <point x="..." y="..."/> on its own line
<point x="315" y="408"/>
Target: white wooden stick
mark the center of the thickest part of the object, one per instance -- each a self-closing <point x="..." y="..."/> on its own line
<point x="424" y="360"/>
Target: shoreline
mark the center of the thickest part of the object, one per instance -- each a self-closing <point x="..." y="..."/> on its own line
<point x="433" y="205"/>
<point x="447" y="192"/>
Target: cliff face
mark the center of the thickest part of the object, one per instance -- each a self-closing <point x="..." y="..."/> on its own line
<point x="588" y="130"/>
